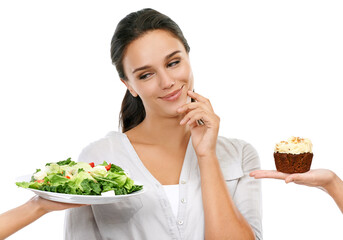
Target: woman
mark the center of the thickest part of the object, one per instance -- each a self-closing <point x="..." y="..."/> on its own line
<point x="197" y="184"/>
<point x="324" y="179"/>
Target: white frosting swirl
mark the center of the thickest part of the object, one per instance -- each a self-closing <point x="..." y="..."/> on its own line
<point x="294" y="145"/>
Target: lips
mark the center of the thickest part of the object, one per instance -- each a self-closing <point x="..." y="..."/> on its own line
<point x="173" y="95"/>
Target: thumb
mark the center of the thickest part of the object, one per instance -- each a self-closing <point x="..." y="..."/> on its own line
<point x="293" y="178"/>
<point x="289" y="179"/>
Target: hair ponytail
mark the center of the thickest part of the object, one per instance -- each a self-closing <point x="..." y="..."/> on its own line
<point x="132" y="112"/>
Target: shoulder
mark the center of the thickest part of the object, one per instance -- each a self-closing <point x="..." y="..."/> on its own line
<point x="232" y="146"/>
<point x="103" y="146"/>
<point x="106" y="141"/>
<point x="236" y="155"/>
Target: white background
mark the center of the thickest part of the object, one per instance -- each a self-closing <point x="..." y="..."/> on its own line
<point x="272" y="69"/>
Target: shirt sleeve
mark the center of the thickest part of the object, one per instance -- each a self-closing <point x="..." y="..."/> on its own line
<point x="96" y="152"/>
<point x="247" y="197"/>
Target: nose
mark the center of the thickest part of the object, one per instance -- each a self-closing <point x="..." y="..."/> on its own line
<point x="165" y="80"/>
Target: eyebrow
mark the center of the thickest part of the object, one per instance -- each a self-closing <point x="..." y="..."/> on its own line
<point x="148" y="66"/>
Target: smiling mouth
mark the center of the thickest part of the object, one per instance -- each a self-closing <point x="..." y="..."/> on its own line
<point x="173" y="95"/>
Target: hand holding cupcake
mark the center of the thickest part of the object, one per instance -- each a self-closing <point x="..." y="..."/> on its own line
<point x="293" y="160"/>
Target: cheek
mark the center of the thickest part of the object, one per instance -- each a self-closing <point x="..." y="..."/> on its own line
<point x="190" y="81"/>
<point x="184" y="74"/>
<point x="147" y="90"/>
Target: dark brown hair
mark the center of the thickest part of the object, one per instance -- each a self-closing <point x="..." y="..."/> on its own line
<point x="130" y="28"/>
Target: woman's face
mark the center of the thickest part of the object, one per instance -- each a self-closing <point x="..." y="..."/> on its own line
<point x="158" y="70"/>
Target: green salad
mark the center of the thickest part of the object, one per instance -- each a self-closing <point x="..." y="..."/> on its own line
<point x="81" y="178"/>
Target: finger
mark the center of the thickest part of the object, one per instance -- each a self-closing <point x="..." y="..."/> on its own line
<point x="268" y="174"/>
<point x="289" y="179"/>
<point x="259" y="172"/>
<point x="199" y="98"/>
<point x="251" y="174"/>
<point x="193" y="116"/>
<point x="191" y="106"/>
<point x="201" y="117"/>
<point x="193" y="125"/>
<point x="73" y="205"/>
<point x="296" y="178"/>
<point x="197" y="117"/>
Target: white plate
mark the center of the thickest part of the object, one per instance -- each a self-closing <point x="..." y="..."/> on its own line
<point x="78" y="199"/>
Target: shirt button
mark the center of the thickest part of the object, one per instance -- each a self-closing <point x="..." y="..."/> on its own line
<point x="183" y="200"/>
<point x="180" y="222"/>
<point x="183" y="181"/>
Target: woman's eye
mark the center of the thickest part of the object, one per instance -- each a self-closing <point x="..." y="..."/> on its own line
<point x="172" y="64"/>
<point x="145" y="76"/>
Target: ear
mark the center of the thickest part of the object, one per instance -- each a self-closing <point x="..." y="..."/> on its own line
<point x="132" y="91"/>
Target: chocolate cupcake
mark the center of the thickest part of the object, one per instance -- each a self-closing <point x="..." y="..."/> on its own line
<point x="294" y="155"/>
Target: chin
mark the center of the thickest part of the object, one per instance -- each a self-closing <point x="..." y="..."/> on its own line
<point x="172" y="110"/>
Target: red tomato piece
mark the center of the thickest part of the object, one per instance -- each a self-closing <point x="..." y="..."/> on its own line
<point x="108" y="167"/>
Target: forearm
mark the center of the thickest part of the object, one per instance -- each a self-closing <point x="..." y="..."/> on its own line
<point x="17" y="218"/>
<point x="222" y="218"/>
<point x="335" y="190"/>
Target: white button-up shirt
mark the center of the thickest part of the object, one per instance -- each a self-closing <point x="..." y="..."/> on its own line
<point x="149" y="215"/>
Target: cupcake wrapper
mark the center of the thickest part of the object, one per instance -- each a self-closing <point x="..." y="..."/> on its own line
<point x="293" y="163"/>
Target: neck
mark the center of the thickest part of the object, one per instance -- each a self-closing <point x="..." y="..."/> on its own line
<point x="162" y="131"/>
